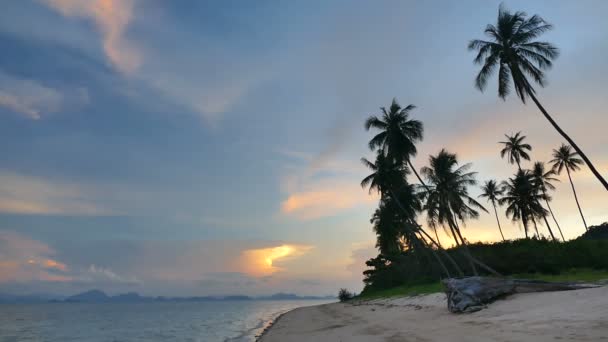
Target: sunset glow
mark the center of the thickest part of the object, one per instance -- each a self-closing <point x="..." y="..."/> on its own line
<point x="261" y="261"/>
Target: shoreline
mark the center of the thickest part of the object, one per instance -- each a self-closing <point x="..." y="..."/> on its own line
<point x="577" y="315"/>
<point x="272" y="322"/>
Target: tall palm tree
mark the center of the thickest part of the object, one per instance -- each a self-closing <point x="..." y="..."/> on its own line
<point x="564" y="158"/>
<point x="515" y="149"/>
<point x="447" y="197"/>
<point x="512" y="48"/>
<point x="492" y="192"/>
<point x="522" y="199"/>
<point x="544" y="180"/>
<point x="398" y="133"/>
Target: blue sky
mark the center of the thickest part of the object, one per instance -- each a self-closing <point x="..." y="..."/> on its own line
<point x="163" y="146"/>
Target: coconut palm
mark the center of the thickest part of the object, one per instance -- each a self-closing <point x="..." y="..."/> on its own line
<point x="544" y="180"/>
<point x="512" y="48"/>
<point x="491" y="191"/>
<point x="565" y="158"/>
<point x="398" y="133"/>
<point x="447" y="197"/>
<point x="515" y="149"/>
<point x="387" y="176"/>
<point x="522" y="199"/>
<point x="388" y="179"/>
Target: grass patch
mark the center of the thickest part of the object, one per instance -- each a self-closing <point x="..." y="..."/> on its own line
<point x="585" y="275"/>
<point x="402" y="291"/>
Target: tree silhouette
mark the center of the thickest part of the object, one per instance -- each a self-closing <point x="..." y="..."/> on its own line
<point x="515" y="149"/>
<point x="447" y="197"/>
<point x="398" y="133"/>
<point x="543" y="180"/>
<point x="388" y="179"/>
<point x="492" y="192"/>
<point x="564" y="158"/>
<point x="512" y="48"/>
<point x="522" y="199"/>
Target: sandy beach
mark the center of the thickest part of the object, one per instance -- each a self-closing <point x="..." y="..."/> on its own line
<point x="580" y="315"/>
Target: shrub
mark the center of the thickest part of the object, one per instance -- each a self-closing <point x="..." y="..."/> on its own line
<point x="344" y="295"/>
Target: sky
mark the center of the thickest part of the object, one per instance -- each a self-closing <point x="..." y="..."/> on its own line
<point x="207" y="148"/>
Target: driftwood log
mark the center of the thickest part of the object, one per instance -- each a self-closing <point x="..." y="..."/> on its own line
<point x="471" y="294"/>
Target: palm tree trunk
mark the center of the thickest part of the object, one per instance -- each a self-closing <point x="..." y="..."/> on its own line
<point x="497" y="221"/>
<point x="525" y="223"/>
<point x="536" y="229"/>
<point x="570" y="141"/>
<point x="420" y="230"/>
<point x="417" y="175"/>
<point x="551" y="211"/>
<point x="437" y="236"/>
<point x="425" y="244"/>
<point x="467" y="253"/>
<point x="550" y="231"/>
<point x="576" y="199"/>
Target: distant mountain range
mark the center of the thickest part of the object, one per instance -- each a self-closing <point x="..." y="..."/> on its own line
<point x="98" y="296"/>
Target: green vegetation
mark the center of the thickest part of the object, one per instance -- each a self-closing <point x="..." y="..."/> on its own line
<point x="510" y="258"/>
<point x="572" y="275"/>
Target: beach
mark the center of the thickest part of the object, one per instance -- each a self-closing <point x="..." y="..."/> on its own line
<point x="580" y="315"/>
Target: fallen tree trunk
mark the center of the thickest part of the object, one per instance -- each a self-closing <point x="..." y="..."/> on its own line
<point x="471" y="294"/>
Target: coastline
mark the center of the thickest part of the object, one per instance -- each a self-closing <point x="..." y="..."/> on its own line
<point x="548" y="316"/>
<point x="272" y="322"/>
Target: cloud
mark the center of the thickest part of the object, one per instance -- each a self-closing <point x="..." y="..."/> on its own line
<point x="25" y="259"/>
<point x="21" y="194"/>
<point x="263" y="261"/>
<point x="323" y="187"/>
<point x="112" y="18"/>
<point x="325" y="198"/>
<point x="98" y="274"/>
<point x="32" y="99"/>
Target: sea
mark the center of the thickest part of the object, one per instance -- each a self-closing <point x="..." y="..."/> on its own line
<point x="223" y="321"/>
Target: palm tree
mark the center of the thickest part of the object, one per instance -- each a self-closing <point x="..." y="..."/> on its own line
<point x="385" y="176"/>
<point x="447" y="197"/>
<point x="515" y="149"/>
<point x="492" y="192"/>
<point x="398" y="133"/>
<point x="564" y="158"/>
<point x="512" y="48"/>
<point x="543" y="180"/>
<point x="522" y="199"/>
<point x="388" y="179"/>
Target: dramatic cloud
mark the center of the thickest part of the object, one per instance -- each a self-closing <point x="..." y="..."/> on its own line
<point x="263" y="261"/>
<point x="112" y="18"/>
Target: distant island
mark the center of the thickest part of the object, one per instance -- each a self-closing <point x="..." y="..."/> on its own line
<point x="98" y="296"/>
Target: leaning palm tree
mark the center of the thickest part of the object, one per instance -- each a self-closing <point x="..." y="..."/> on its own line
<point x="515" y="149"/>
<point x="564" y="158"/>
<point x="522" y="199"/>
<point x="447" y="196"/>
<point x="491" y="191"/>
<point x="544" y="180"/>
<point x="512" y="48"/>
<point x="398" y="133"/>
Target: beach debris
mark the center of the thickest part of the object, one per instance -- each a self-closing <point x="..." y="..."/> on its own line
<point x="472" y="294"/>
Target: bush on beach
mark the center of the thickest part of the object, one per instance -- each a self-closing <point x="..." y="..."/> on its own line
<point x="344" y="295"/>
